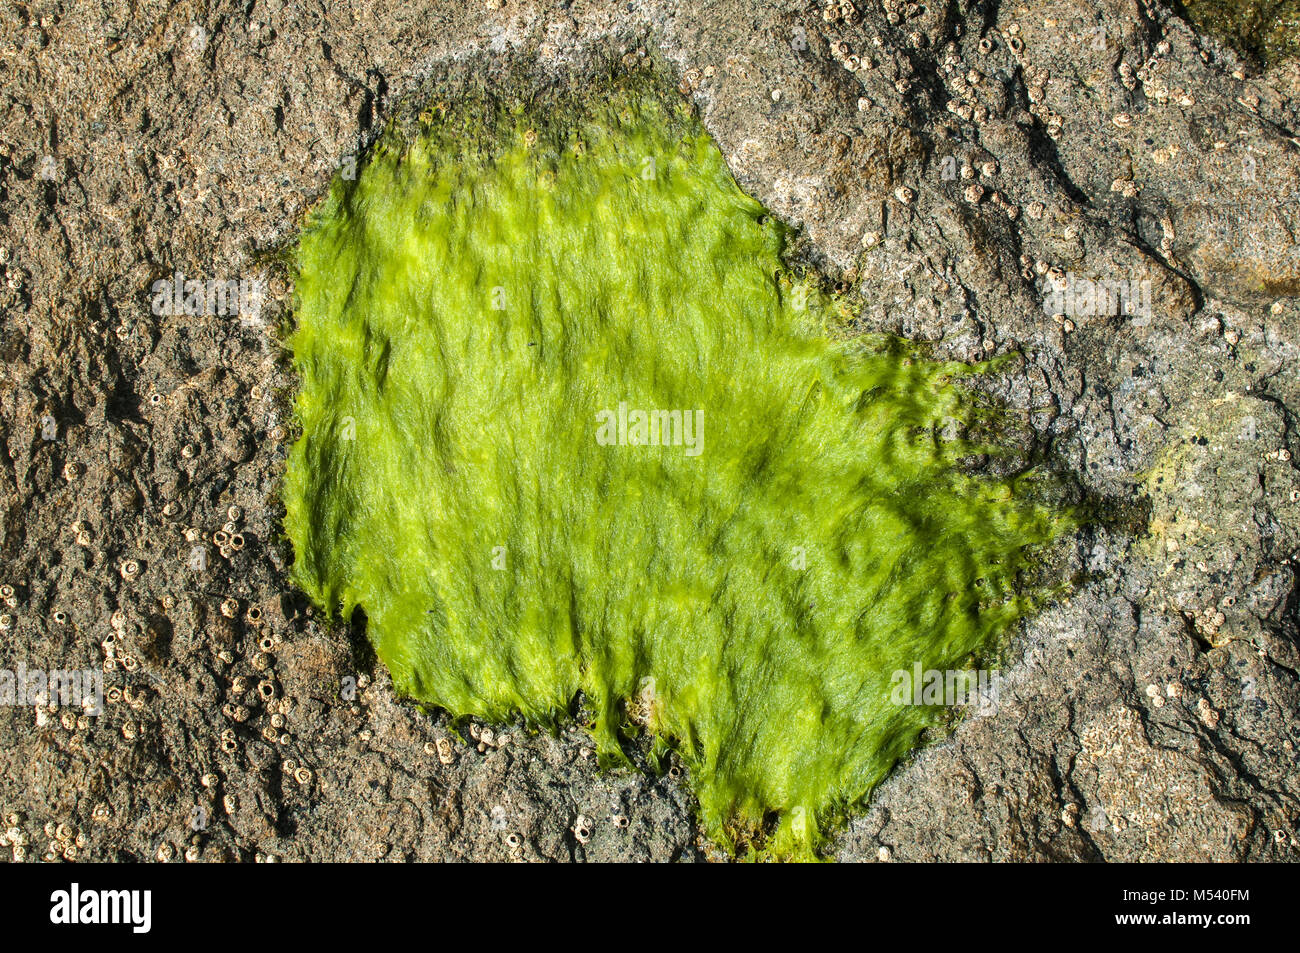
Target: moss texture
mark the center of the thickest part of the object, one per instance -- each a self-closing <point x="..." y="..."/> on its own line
<point x="481" y="309"/>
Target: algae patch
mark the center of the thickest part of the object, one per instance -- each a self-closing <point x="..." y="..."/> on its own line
<point x="1266" y="31"/>
<point x="569" y="423"/>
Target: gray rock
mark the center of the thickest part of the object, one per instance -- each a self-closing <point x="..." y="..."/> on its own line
<point x="1151" y="715"/>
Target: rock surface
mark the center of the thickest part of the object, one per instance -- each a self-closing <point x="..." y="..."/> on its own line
<point x="949" y="161"/>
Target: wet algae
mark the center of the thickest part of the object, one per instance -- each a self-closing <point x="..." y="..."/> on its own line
<point x="571" y="423"/>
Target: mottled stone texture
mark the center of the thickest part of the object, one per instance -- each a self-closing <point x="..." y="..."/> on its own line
<point x="1150" y="716"/>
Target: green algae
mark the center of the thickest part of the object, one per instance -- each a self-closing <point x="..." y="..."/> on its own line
<point x="1265" y="31"/>
<point x="481" y="315"/>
